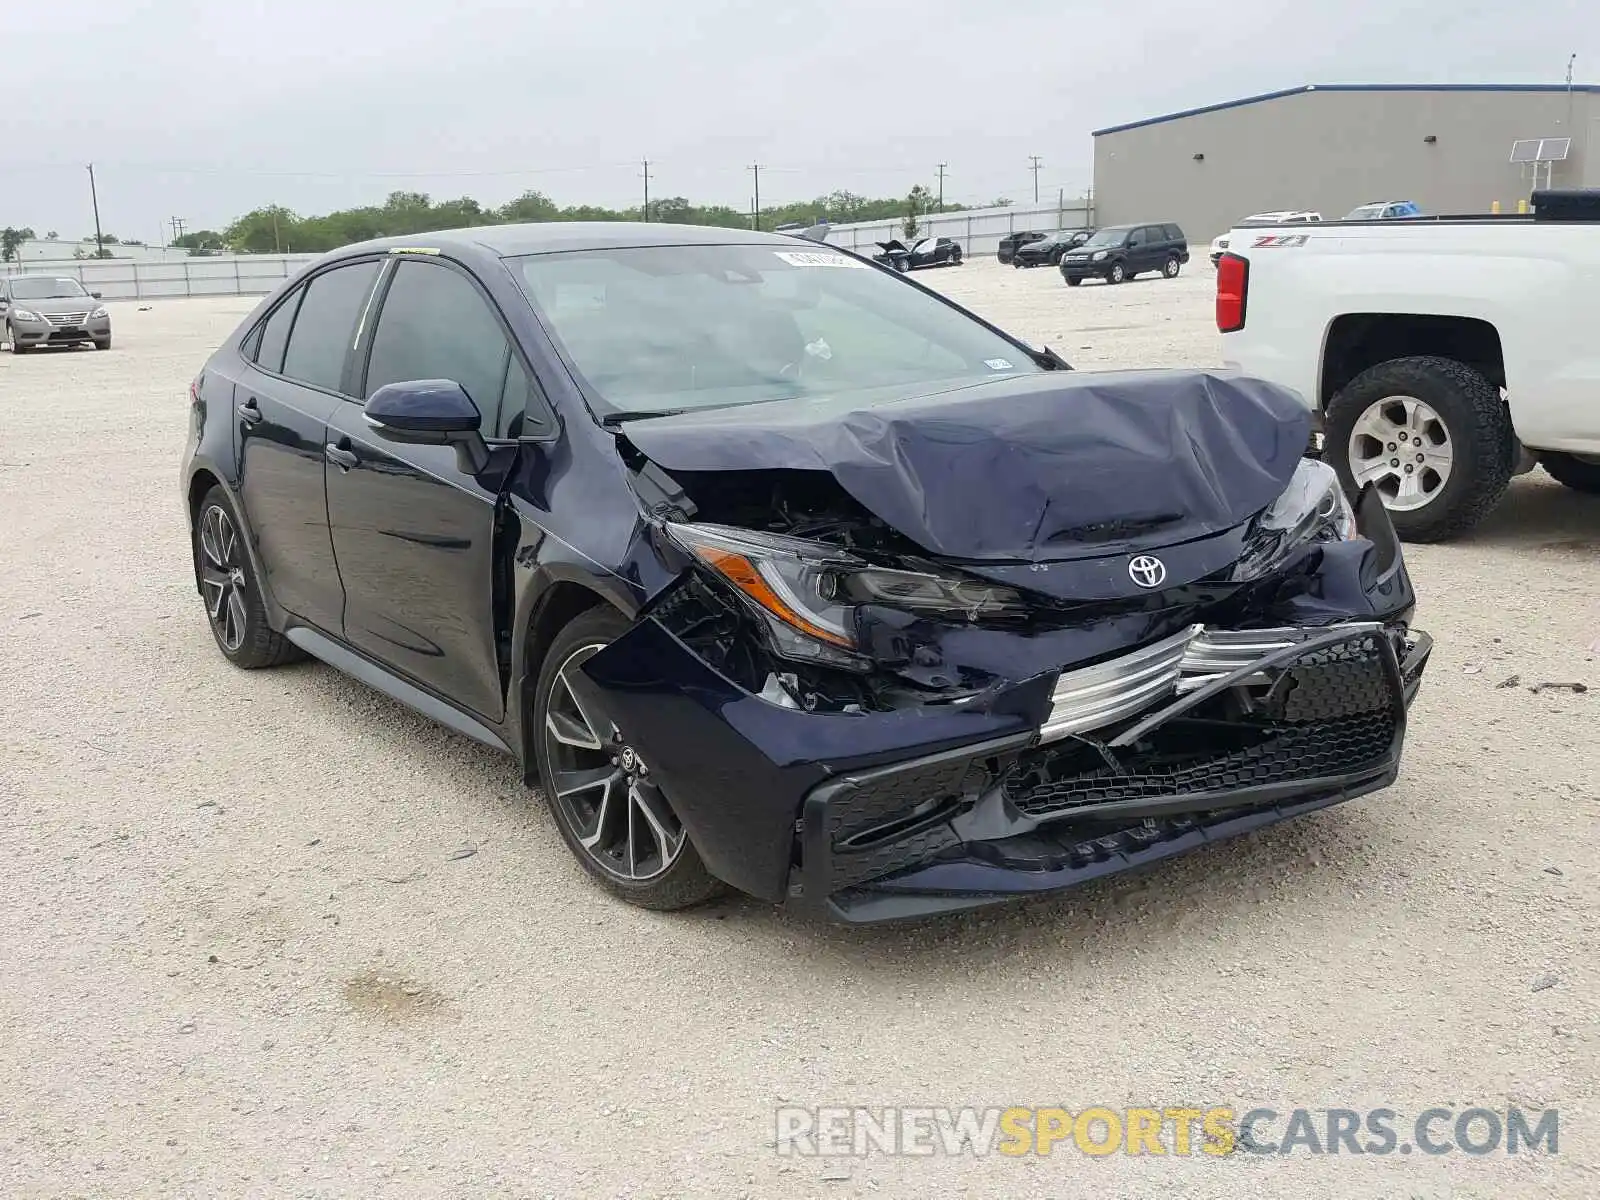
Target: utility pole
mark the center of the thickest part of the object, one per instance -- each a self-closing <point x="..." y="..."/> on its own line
<point x="277" y="246"/>
<point x="942" y="166"/>
<point x="94" y="199"/>
<point x="756" y="169"/>
<point x="1570" y="61"/>
<point x="1034" y="158"/>
<point x="647" y="189"/>
<point x="177" y="228"/>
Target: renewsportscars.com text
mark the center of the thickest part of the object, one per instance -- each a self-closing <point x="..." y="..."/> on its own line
<point x="1178" y="1131"/>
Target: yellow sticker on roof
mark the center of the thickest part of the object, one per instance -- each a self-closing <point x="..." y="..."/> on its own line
<point x="413" y="250"/>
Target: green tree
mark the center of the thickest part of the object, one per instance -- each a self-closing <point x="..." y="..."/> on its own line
<point x="917" y="202"/>
<point x="11" y="240"/>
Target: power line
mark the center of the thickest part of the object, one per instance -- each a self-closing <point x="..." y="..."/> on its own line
<point x="1034" y="158"/>
<point x="942" y="166"/>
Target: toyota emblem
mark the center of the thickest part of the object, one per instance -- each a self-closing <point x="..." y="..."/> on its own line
<point x="1147" y="571"/>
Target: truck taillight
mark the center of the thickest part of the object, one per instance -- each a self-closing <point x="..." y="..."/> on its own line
<point x="1233" y="284"/>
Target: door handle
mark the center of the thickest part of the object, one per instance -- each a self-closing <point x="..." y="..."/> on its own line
<point x="250" y="411"/>
<point x="339" y="456"/>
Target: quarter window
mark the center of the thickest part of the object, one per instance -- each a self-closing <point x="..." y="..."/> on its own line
<point x="274" y="334"/>
<point x="326" y="324"/>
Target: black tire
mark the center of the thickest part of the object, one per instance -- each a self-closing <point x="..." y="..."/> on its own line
<point x="1172" y="267"/>
<point x="256" y="644"/>
<point x="1072" y="280"/>
<point x="1475" y="420"/>
<point x="685" y="882"/>
<point x="1117" y="273"/>
<point x="902" y="265"/>
<point x="16" y="347"/>
<point x="1017" y="263"/>
<point x="955" y="256"/>
<point x="103" y="344"/>
<point x="1576" y="473"/>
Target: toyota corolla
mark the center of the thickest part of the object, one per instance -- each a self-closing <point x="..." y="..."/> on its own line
<point x="775" y="569"/>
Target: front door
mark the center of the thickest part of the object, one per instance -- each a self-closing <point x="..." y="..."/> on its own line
<point x="413" y="533"/>
<point x="282" y="403"/>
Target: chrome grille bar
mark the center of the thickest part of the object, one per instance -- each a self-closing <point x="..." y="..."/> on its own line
<point x="1091" y="697"/>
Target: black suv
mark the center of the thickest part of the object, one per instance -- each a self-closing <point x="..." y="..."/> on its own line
<point x="774" y="568"/>
<point x="1120" y="252"/>
<point x="1047" y="251"/>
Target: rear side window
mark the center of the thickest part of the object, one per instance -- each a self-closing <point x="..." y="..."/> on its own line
<point x="274" y="335"/>
<point x="436" y="325"/>
<point x="326" y="324"/>
<point x="1174" y="234"/>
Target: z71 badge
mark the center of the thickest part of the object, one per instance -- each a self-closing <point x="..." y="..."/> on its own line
<point x="1278" y="239"/>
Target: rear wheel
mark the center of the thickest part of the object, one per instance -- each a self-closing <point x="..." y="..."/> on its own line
<point x="1432" y="435"/>
<point x="1579" y="474"/>
<point x="1170" y="270"/>
<point x="611" y="812"/>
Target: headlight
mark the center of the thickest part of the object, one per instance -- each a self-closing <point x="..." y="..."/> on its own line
<point x="25" y="314"/>
<point x="1099" y="254"/>
<point x="1313" y="508"/>
<point x="806" y="594"/>
<point x="98" y="312"/>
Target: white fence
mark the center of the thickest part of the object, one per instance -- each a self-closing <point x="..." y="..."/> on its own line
<point x="127" y="279"/>
<point x="978" y="231"/>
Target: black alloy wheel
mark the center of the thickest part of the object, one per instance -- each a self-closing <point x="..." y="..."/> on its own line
<point x="611" y="811"/>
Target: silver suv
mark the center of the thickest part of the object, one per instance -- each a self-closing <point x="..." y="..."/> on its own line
<point x="50" y="310"/>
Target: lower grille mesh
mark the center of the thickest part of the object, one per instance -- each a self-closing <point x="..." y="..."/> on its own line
<point x="1331" y="712"/>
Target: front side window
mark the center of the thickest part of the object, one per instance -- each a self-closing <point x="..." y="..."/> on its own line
<point x="326" y="324"/>
<point x="436" y="325"/>
<point x="35" y="287"/>
<point x="653" y="329"/>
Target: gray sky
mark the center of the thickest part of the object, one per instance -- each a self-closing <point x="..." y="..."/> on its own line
<point x="205" y="109"/>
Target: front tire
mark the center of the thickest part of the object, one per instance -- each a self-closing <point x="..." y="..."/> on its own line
<point x="955" y="256"/>
<point x="1117" y="274"/>
<point x="1433" y="436"/>
<point x="1072" y="280"/>
<point x="234" y="610"/>
<point x="1576" y="473"/>
<point x="102" y="344"/>
<point x="615" y="819"/>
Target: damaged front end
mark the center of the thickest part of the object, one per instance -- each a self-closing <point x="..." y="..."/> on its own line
<point x="871" y="732"/>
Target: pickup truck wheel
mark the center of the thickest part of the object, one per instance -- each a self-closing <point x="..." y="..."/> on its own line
<point x="1579" y="474"/>
<point x="1432" y="435"/>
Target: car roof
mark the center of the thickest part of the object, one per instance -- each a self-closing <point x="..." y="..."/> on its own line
<point x="546" y="237"/>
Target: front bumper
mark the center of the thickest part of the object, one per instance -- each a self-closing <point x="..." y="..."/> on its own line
<point x="888" y="816"/>
<point x="60" y="330"/>
<point x="1087" y="269"/>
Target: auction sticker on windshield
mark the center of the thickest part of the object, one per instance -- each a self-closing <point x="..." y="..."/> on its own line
<point x="810" y="258"/>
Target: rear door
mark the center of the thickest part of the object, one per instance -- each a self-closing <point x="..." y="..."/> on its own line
<point x="297" y="359"/>
<point x="413" y="534"/>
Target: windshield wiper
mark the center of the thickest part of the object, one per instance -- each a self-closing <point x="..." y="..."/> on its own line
<point x="612" y="419"/>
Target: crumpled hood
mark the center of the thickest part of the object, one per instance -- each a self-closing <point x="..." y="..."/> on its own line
<point x="1038" y="468"/>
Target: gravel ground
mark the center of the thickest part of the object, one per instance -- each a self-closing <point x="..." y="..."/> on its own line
<point x="247" y="957"/>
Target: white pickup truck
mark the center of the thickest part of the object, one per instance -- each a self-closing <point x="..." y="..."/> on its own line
<point x="1441" y="355"/>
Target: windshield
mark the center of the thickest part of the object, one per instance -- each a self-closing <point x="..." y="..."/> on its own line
<point x="1366" y="212"/>
<point x="657" y="329"/>
<point x="1109" y="237"/>
<point x="34" y="288"/>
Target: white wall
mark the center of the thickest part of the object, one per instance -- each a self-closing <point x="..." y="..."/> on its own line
<point x="978" y="230"/>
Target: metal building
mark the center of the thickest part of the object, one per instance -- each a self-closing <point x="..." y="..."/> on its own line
<point x="1331" y="147"/>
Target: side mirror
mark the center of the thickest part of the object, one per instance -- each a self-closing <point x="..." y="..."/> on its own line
<point x="430" y="412"/>
<point x="95" y="295"/>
